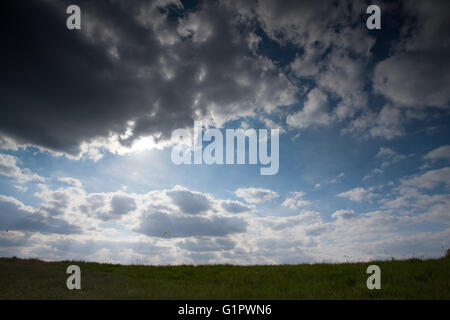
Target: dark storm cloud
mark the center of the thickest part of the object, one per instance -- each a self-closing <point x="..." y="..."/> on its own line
<point x="129" y="62"/>
<point x="14" y="216"/>
<point x="175" y="226"/>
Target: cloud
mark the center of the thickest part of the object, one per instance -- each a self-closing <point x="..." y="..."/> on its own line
<point x="94" y="204"/>
<point x="206" y="64"/>
<point x="130" y="72"/>
<point x="304" y="217"/>
<point x="122" y="204"/>
<point x="256" y="195"/>
<point x="357" y="194"/>
<point x="307" y="65"/>
<point x="158" y="232"/>
<point x="7" y="144"/>
<point x="439" y="153"/>
<point x="207" y="245"/>
<point x="428" y="180"/>
<point x="70" y="210"/>
<point x="296" y="201"/>
<point x="144" y="73"/>
<point x="13" y="239"/>
<point x="343" y="214"/>
<point x="136" y="71"/>
<point x="9" y="168"/>
<point x="331" y="53"/>
<point x="159" y="224"/>
<point x="173" y="213"/>
<point x="337" y="178"/>
<point x="438" y="213"/>
<point x="102" y="250"/>
<point x="389" y="157"/>
<point x="421" y="197"/>
<point x="71" y="181"/>
<point x="16" y="216"/>
<point x="344" y="77"/>
<point x="109" y="206"/>
<point x="314" y="112"/>
<point x="388" y="123"/>
<point x="74" y="203"/>
<point x="412" y="77"/>
<point x="235" y="206"/>
<point x="415" y="75"/>
<point x="409" y="83"/>
<point x="190" y="202"/>
<point x="56" y="202"/>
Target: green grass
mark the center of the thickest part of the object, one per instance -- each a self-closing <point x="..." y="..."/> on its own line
<point x="404" y="279"/>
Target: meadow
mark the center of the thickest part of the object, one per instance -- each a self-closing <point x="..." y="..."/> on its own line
<point x="400" y="279"/>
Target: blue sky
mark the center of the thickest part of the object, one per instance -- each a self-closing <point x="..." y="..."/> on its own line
<point x="85" y="135"/>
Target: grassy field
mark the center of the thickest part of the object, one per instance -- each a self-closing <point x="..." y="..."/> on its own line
<point x="405" y="279"/>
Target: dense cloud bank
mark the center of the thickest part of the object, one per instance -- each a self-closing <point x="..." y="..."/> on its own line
<point x="180" y="225"/>
<point x="144" y="68"/>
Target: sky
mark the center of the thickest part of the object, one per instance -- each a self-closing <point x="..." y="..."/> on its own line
<point x="87" y="118"/>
